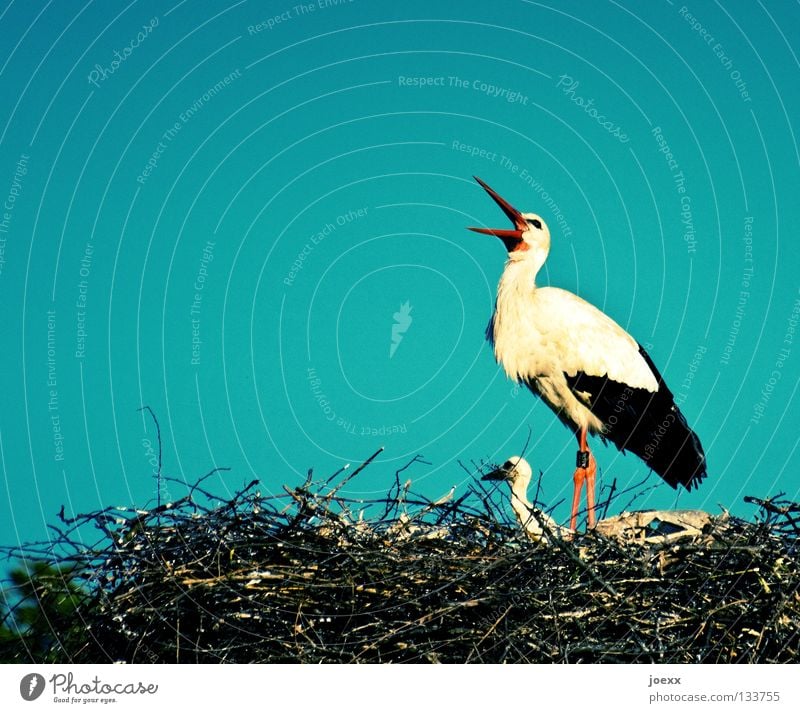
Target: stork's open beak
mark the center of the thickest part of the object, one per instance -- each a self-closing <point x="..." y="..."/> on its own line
<point x="509" y="237"/>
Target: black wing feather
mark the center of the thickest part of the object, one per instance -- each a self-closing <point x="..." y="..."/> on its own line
<point x="647" y="424"/>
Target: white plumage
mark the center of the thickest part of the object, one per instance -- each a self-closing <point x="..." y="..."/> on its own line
<point x="588" y="369"/>
<point x="541" y="334"/>
<point x="517" y="472"/>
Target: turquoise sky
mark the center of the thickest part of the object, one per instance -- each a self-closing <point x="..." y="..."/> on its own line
<point x="250" y="216"/>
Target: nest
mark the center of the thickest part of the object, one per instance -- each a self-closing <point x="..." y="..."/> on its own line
<point x="311" y="576"/>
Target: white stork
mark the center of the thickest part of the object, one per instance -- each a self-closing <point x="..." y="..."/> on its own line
<point x="589" y="370"/>
<point x="517" y="472"/>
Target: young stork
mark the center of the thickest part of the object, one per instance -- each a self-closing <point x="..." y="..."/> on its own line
<point x="517" y="472"/>
<point x="589" y="370"/>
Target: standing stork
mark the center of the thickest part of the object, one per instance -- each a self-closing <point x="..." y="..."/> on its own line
<point x="587" y="368"/>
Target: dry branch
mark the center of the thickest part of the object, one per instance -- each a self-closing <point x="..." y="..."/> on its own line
<point x="309" y="575"/>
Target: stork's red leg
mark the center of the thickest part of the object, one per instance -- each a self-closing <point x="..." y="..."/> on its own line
<point x="585" y="471"/>
<point x="591" y="470"/>
<point x="577" y="479"/>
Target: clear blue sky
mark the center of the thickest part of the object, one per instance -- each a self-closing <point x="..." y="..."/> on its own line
<point x="219" y="211"/>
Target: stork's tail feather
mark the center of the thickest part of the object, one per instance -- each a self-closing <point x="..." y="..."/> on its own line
<point x="665" y="442"/>
<point x="647" y="424"/>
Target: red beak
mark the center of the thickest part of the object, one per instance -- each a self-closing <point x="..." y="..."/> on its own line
<point x="510" y="238"/>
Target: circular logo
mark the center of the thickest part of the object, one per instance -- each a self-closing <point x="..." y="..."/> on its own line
<point x="31" y="686"/>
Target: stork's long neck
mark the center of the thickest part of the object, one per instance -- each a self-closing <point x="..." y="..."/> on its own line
<point x="521" y="273"/>
<point x="522" y="508"/>
<point x="514" y="293"/>
<point x="519" y="499"/>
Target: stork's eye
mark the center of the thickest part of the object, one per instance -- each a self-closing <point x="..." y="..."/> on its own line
<point x="535" y="223"/>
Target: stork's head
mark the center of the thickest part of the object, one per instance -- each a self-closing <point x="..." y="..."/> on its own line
<point x="530" y="235"/>
<point x="516" y="471"/>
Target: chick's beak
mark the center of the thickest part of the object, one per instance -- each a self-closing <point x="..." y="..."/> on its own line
<point x="497" y="474"/>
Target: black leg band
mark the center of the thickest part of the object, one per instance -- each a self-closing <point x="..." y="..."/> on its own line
<point x="582" y="461"/>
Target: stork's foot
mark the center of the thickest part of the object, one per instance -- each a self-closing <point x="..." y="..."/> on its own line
<point x="585" y="472"/>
